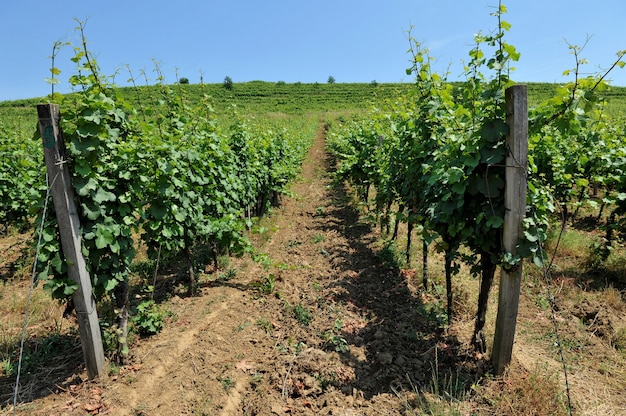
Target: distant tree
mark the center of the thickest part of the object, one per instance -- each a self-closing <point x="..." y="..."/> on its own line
<point x="374" y="83"/>
<point x="280" y="83"/>
<point x="228" y="83"/>
<point x="331" y="79"/>
<point x="183" y="80"/>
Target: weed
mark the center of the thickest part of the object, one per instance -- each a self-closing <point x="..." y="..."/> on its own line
<point x="435" y="311"/>
<point x="114" y="369"/>
<point x="140" y="410"/>
<point x="619" y="340"/>
<point x="523" y="392"/>
<point x="318" y="238"/>
<point x="257" y="379"/>
<point x="227" y="382"/>
<point x="266" y="284"/>
<point x="390" y="255"/>
<point x="265" y="325"/>
<point x="229" y="274"/>
<point x="302" y="314"/>
<point x="7" y="367"/>
<point x="326" y="380"/>
<point x="442" y="396"/>
<point x="223" y="261"/>
<point x="292" y="243"/>
<point x="143" y="268"/>
<point x="149" y="318"/>
<point x="542" y="302"/>
<point x="291" y="347"/>
<point x="259" y="230"/>
<point x="263" y="259"/>
<point x="333" y="340"/>
<point x="241" y="327"/>
<point x="39" y="352"/>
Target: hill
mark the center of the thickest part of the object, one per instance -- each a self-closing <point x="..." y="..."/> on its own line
<point x="258" y="97"/>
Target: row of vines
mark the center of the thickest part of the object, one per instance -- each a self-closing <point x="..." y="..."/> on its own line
<point x="164" y="175"/>
<point x="436" y="161"/>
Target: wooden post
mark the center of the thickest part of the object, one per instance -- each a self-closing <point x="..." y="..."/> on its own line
<point x="67" y="216"/>
<point x="515" y="208"/>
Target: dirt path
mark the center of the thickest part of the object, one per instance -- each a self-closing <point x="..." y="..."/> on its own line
<point x="321" y="324"/>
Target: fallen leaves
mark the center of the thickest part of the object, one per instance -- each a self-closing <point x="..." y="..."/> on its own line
<point x="94" y="405"/>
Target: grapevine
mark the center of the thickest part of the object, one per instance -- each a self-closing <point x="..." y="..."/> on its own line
<point x="441" y="163"/>
<point x="167" y="174"/>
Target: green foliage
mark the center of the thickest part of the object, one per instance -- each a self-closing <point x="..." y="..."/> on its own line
<point x="99" y="137"/>
<point x="265" y="324"/>
<point x="229" y="274"/>
<point x="436" y="160"/>
<point x="183" y="81"/>
<point x="438" y="153"/>
<point x="265" y="285"/>
<point x="22" y="176"/>
<point x="227" y="382"/>
<point x="149" y="318"/>
<point x="331" y="80"/>
<point x="302" y="314"/>
<point x="166" y="171"/>
<point x="228" y="83"/>
<point x="333" y="340"/>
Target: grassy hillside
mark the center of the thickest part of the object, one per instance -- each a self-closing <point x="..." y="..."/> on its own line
<point x="259" y="97"/>
<point x="264" y="97"/>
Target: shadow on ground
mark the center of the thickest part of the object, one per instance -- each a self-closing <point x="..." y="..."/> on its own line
<point x="407" y="345"/>
<point x="49" y="364"/>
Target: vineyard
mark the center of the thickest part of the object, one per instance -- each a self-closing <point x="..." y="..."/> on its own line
<point x="271" y="248"/>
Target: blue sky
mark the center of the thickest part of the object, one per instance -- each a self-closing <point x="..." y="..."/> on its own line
<point x="292" y="40"/>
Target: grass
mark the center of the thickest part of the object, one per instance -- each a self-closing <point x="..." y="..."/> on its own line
<point x="522" y="391"/>
<point x="45" y="315"/>
<point x="227" y="382"/>
<point x="271" y="99"/>
<point x="228" y="274"/>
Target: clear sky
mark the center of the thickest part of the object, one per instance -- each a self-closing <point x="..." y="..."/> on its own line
<point x="293" y="40"/>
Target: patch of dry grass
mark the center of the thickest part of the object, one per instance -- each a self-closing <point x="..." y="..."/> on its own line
<point x="522" y="391"/>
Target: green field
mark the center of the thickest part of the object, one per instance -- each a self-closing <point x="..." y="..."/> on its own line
<point x="259" y="97"/>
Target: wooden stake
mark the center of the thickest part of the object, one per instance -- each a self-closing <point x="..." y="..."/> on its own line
<point x="515" y="208"/>
<point x="67" y="216"/>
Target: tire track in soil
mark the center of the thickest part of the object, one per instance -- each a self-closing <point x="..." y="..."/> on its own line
<point x="163" y="360"/>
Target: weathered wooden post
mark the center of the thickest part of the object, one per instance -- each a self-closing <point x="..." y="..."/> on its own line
<point x="67" y="217"/>
<point x="515" y="208"/>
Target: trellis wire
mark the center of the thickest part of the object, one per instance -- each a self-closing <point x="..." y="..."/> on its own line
<point x="30" y="292"/>
<point x="156" y="269"/>
<point x="552" y="301"/>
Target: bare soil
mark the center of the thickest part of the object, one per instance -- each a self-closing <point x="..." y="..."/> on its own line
<point x="323" y="323"/>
